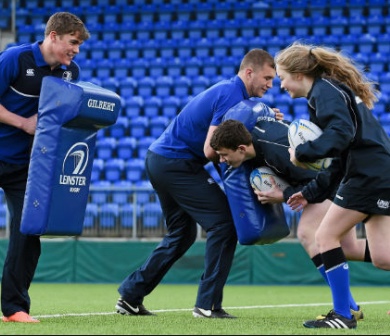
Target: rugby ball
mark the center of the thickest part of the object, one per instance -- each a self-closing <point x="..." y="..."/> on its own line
<point x="301" y="131"/>
<point x="260" y="179"/>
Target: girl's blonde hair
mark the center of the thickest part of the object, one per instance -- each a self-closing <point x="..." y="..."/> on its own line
<point x="315" y="61"/>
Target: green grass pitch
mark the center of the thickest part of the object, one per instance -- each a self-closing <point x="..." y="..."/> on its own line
<point x="88" y="309"/>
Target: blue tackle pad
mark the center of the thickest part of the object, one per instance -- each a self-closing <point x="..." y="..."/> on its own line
<point x="69" y="115"/>
<point x="255" y="223"/>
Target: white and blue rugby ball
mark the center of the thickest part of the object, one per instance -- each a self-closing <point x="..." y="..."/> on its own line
<point x="301" y="131"/>
<point x="260" y="179"/>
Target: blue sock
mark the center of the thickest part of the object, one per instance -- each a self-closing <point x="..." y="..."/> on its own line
<point x="337" y="272"/>
<point x="321" y="268"/>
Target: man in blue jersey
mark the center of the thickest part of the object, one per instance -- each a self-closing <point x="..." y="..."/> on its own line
<point x="189" y="196"/>
<point x="22" y="69"/>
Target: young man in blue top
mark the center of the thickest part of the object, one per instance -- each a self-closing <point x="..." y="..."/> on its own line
<point x="189" y="196"/>
<point x="22" y="69"/>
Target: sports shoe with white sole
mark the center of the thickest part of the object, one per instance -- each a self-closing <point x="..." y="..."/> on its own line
<point x="357" y="313"/>
<point x="216" y="313"/>
<point x="333" y="321"/>
<point x="125" y="308"/>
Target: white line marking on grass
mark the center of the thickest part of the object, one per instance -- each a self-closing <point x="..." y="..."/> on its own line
<point x="292" y="305"/>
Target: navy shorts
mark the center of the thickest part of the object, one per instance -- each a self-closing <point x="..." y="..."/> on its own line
<point x="364" y="200"/>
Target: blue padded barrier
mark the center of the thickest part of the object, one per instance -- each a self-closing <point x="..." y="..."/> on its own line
<point x="255" y="223"/>
<point x="69" y="116"/>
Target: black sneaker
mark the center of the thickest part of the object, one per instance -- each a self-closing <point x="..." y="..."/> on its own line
<point x="359" y="316"/>
<point x="332" y="320"/>
<point x="125" y="308"/>
<point x="216" y="313"/>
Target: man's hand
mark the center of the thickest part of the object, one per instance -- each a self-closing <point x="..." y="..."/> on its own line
<point x="278" y="115"/>
<point x="29" y="125"/>
<point x="297" y="202"/>
<point x="272" y="196"/>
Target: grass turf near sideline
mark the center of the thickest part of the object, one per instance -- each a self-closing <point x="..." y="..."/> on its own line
<point x="88" y="309"/>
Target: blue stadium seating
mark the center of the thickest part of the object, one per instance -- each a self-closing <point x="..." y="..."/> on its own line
<point x="108" y="215"/>
<point x="229" y="66"/>
<point x="174" y="67"/>
<point x="196" y="29"/>
<point x="126" y="33"/>
<point x="144" y="29"/>
<point x="114" y="50"/>
<point x="357" y="24"/>
<point x="221" y="47"/>
<point x="150" y="49"/>
<point x="202" y="11"/>
<point x="119" y="129"/>
<point x="376" y="24"/>
<point x="144" y="193"/>
<point x="97" y="169"/>
<point x="157" y="67"/>
<point x="134" y="106"/>
<point x="366" y="43"/>
<point x="184" y="11"/>
<point x="193" y="67"/>
<point x="165" y="40"/>
<point x="91" y="215"/>
<point x="146" y="87"/>
<point x="127" y="215"/>
<point x="105" y="147"/>
<point x="199" y="84"/>
<point x="98" y="193"/>
<point x="377" y="7"/>
<point x="113" y="169"/>
<point x="267" y="28"/>
<point x="138" y="126"/>
<point x="111" y="13"/>
<point x="238" y="47"/>
<point x="182" y="86"/>
<point x="231" y="28"/>
<point x="168" y="49"/>
<point x="170" y="106"/>
<point x="143" y="145"/>
<point x="298" y="10"/>
<point x="377" y="62"/>
<point x="384" y="45"/>
<point x="152" y="215"/>
<point x="166" y="13"/>
<point x="163" y="86"/>
<point x="302" y="26"/>
<point x="121" y="192"/>
<point x="179" y="28"/>
<point x="125" y="147"/>
<point x="103" y="68"/>
<point x="356" y="7"/>
<point x="25" y="34"/>
<point x="211" y="67"/>
<point x="157" y="125"/>
<point x="111" y="83"/>
<point x="134" y="169"/>
<point x="148" y="12"/>
<point x="213" y="30"/>
<point x="300" y="107"/>
<point x="152" y="106"/>
<point x="139" y="68"/>
<point x="127" y="87"/>
<point x="222" y="11"/>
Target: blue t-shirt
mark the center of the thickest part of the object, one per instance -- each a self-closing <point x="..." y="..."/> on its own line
<point x="185" y="136"/>
<point x="22" y="69"/>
